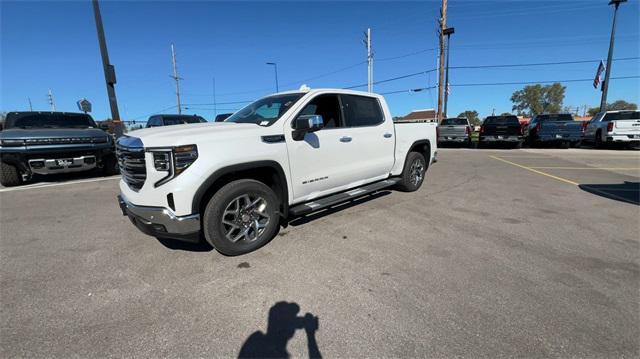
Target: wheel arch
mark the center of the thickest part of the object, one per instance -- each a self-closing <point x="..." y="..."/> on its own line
<point x="420" y="146"/>
<point x="268" y="172"/>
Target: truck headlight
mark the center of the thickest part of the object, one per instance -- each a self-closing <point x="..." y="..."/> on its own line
<point x="174" y="161"/>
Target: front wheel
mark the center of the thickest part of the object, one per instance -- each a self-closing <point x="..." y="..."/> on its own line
<point x="241" y="217"/>
<point x="413" y="173"/>
<point x="9" y="175"/>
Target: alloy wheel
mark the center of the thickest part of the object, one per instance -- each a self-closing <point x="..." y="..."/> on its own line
<point x="245" y="218"/>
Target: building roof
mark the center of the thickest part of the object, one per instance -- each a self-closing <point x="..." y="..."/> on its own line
<point x="427" y="114"/>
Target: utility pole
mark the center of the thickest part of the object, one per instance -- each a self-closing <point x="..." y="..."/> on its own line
<point x="448" y="32"/>
<point x="367" y="42"/>
<point x="443" y="26"/>
<point x="607" y="74"/>
<point x="52" y="102"/>
<point x="176" y="78"/>
<point x="109" y="71"/>
<point x="30" y="106"/>
<point x="215" y="107"/>
<point x="275" y="68"/>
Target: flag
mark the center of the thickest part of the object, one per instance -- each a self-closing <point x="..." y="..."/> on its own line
<point x="448" y="89"/>
<point x="596" y="81"/>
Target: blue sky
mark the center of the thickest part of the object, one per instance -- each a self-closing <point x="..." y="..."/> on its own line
<point x="53" y="45"/>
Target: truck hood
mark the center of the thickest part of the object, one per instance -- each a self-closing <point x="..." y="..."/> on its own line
<point x="187" y="134"/>
<point x="23" y="134"/>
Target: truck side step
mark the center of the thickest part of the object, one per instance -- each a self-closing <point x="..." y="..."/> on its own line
<point x="308" y="207"/>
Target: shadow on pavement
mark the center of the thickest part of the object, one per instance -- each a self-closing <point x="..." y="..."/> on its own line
<point x="175" y="244"/>
<point x="625" y="192"/>
<point x="336" y="208"/>
<point x="282" y="324"/>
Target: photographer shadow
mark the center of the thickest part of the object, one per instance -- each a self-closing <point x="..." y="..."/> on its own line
<point x="282" y="324"/>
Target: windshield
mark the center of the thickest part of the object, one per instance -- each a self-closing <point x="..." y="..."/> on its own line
<point x="623" y="115"/>
<point x="265" y="111"/>
<point x="502" y="120"/>
<point x="49" y="120"/>
<point x="454" y="122"/>
<point x="562" y="117"/>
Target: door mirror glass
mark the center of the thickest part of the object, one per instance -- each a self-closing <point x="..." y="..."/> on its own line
<point x="306" y="123"/>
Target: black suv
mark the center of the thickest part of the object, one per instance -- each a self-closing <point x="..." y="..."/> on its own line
<point x="52" y="142"/>
<point x="168" y="120"/>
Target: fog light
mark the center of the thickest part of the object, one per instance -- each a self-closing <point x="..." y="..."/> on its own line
<point x="158" y="228"/>
<point x="89" y="160"/>
<point x="37" y="164"/>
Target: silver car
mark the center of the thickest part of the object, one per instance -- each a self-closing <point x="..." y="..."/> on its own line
<point x="613" y="127"/>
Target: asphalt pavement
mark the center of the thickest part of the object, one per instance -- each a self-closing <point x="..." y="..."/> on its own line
<point x="502" y="253"/>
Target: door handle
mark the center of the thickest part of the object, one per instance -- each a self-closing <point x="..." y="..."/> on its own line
<point x="345" y="139"/>
<point x="387" y="135"/>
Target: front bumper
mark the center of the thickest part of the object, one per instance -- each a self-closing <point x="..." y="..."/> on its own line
<point x="161" y="222"/>
<point x="500" y="138"/>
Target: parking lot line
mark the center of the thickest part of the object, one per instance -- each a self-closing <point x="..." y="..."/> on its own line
<point x="590" y="168"/>
<point x="46" y="185"/>
<point x="536" y="171"/>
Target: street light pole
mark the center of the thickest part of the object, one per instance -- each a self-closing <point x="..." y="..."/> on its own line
<point x="605" y="84"/>
<point x="275" y="67"/>
<point x="109" y="70"/>
<point x="448" y="31"/>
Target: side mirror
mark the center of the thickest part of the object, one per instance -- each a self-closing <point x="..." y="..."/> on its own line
<point x="305" y="124"/>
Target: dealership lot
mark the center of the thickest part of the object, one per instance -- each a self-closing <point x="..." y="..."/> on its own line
<point x="501" y="253"/>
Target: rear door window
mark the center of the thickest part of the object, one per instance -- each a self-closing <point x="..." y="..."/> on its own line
<point x="502" y="120"/>
<point x="624" y="115"/>
<point x="361" y="111"/>
<point x="454" y="122"/>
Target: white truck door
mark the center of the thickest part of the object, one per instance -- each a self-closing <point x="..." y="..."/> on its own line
<point x="322" y="161"/>
<point x="372" y="133"/>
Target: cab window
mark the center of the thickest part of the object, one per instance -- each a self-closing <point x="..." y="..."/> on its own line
<point x="360" y="111"/>
<point x="327" y="106"/>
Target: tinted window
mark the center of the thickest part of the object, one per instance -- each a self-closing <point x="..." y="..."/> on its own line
<point x="562" y="117"/>
<point x="327" y="106"/>
<point x="501" y="120"/>
<point x="454" y="122"/>
<point x="625" y="115"/>
<point x="361" y="111"/>
<point x="265" y="111"/>
<point x="49" y="120"/>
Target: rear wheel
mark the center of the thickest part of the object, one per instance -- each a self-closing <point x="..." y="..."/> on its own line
<point x="241" y="217"/>
<point x="413" y="173"/>
<point x="598" y="140"/>
<point x="9" y="175"/>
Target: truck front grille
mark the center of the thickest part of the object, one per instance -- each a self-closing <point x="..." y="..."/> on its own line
<point x="132" y="165"/>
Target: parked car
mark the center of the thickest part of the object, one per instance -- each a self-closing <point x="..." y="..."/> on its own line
<point x="52" y="142"/>
<point x="282" y="156"/>
<point x="221" y="117"/>
<point x="503" y="129"/>
<point x="622" y="127"/>
<point x="454" y="130"/>
<point x="555" y="128"/>
<point x="169" y="120"/>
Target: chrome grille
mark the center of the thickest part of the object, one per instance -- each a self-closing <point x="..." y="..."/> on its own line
<point x="132" y="164"/>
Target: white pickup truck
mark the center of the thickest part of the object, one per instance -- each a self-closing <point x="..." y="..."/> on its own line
<point x="235" y="182"/>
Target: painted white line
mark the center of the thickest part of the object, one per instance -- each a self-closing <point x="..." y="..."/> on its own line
<point x="49" y="184"/>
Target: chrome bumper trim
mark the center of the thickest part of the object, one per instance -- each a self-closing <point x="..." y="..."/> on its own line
<point x="161" y="216"/>
<point x="62" y="165"/>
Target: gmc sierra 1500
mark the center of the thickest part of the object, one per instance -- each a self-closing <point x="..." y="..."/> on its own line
<point x="284" y="155"/>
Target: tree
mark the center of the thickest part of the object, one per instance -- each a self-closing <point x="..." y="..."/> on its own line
<point x="536" y="99"/>
<point x="616" y="106"/>
<point x="472" y="116"/>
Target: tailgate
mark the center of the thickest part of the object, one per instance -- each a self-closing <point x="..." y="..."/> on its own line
<point x="627" y="126"/>
<point x="561" y="128"/>
<point x="456" y="131"/>
<point x="508" y="130"/>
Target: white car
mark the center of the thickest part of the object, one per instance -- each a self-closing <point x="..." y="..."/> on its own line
<point x="613" y="127"/>
<point x="285" y="155"/>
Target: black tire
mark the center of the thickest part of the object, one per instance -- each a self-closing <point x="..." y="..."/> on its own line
<point x="410" y="181"/>
<point x="9" y="175"/>
<point x="598" y="140"/>
<point x="110" y="165"/>
<point x="216" y="232"/>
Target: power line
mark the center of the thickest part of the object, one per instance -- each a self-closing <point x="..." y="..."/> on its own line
<point x="540" y="63"/>
<point x="218" y="103"/>
<point x="153" y="113"/>
<point x="393" y="78"/>
<point x="536" y="82"/>
<point x="407" y="55"/>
